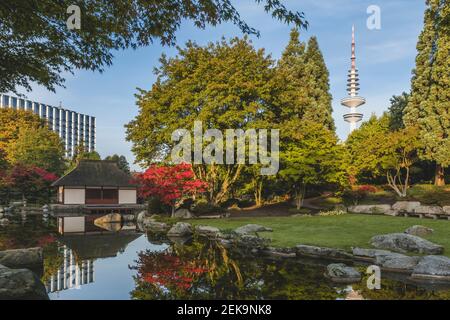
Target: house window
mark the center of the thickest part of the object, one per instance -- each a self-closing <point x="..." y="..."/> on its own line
<point x="102" y="196"/>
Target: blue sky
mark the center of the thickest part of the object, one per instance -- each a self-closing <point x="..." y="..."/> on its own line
<point x="385" y="59"/>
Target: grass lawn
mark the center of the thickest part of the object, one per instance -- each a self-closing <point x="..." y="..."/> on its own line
<point x="344" y="231"/>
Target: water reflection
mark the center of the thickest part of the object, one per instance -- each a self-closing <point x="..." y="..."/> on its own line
<point x="83" y="260"/>
<point x="71" y="274"/>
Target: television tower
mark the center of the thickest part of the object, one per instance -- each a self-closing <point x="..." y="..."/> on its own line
<point x="353" y="101"/>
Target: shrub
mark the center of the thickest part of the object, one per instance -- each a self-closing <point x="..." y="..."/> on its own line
<point x="155" y="206"/>
<point x="355" y="195"/>
<point x="299" y="211"/>
<point x="332" y="213"/>
<point x="202" y="207"/>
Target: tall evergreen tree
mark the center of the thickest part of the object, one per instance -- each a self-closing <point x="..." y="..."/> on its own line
<point x="320" y="111"/>
<point x="303" y="85"/>
<point x="396" y="111"/>
<point x="430" y="94"/>
<point x="291" y="80"/>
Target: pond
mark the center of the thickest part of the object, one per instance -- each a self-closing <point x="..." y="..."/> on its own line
<point x="83" y="260"/>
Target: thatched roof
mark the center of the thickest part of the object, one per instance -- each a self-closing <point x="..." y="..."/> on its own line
<point x="96" y="173"/>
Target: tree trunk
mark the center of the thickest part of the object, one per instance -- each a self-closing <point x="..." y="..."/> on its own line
<point x="258" y="193"/>
<point x="173" y="211"/>
<point x="299" y="197"/>
<point x="439" y="179"/>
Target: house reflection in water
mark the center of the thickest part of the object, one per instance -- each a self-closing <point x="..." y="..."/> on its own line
<point x="83" y="243"/>
<point x="71" y="274"/>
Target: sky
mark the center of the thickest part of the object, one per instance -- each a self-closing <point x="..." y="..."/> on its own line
<point x="385" y="59"/>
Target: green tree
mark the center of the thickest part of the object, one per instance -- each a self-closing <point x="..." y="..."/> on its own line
<point x="121" y="161"/>
<point x="320" y="110"/>
<point x="290" y="80"/>
<point x="376" y="151"/>
<point x="396" y="111"/>
<point x="11" y="121"/>
<point x="430" y="93"/>
<point x="397" y="154"/>
<point x="81" y="153"/>
<point x="38" y="147"/>
<point x="37" y="46"/>
<point x="310" y="156"/>
<point x="362" y="161"/>
<point x="3" y="162"/>
<point x="224" y="85"/>
<point x="302" y="83"/>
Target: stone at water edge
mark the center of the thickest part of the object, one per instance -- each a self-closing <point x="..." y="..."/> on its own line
<point x="368" y="255"/>
<point x="21" y="284"/>
<point x="4" y="221"/>
<point x="419" y="231"/>
<point x="22" y="258"/>
<point x="254" y="243"/>
<point x="183" y="214"/>
<point x="406" y="206"/>
<point x="397" y="262"/>
<point x="433" y="267"/>
<point x="446" y="210"/>
<point x="371" y="209"/>
<point x="180" y="229"/>
<point x="109" y="218"/>
<point x="428" y="210"/>
<point x="404" y="243"/>
<point x="128" y="217"/>
<point x="252" y="228"/>
<point x="339" y="272"/>
<point x="207" y="231"/>
<point x="322" y="252"/>
<point x="155" y="226"/>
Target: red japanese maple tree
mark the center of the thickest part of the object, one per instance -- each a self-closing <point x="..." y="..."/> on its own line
<point x="28" y="179"/>
<point x="170" y="184"/>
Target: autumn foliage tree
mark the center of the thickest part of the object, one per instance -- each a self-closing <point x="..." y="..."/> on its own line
<point x="28" y="180"/>
<point x="170" y="184"/>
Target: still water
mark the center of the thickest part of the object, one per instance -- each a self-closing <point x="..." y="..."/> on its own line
<point x="84" y="260"/>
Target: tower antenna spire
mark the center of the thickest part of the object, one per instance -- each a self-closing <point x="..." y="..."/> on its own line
<point x="353" y="101"/>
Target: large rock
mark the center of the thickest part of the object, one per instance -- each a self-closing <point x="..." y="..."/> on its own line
<point x="155" y="226"/>
<point x="429" y="210"/>
<point x="371" y="209"/>
<point x="183" y="214"/>
<point x="419" y="231"/>
<point x="207" y="231"/>
<point x="20" y="284"/>
<point x="446" y="210"/>
<point x="321" y="252"/>
<point x="396" y="262"/>
<point x="368" y="254"/>
<point x="433" y="267"/>
<point x="403" y="243"/>
<point x="251" y="229"/>
<point x="22" y="258"/>
<point x="279" y="253"/>
<point x="180" y="229"/>
<point x="252" y="242"/>
<point x="109" y="218"/>
<point x="141" y="216"/>
<point x="128" y="217"/>
<point x="405" y="206"/>
<point x="340" y="273"/>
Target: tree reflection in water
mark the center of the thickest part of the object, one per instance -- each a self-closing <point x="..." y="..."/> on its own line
<point x="206" y="270"/>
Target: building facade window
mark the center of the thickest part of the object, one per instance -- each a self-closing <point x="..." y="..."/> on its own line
<point x="71" y="126"/>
